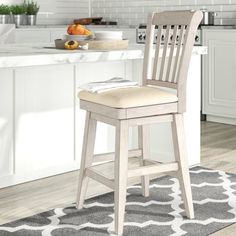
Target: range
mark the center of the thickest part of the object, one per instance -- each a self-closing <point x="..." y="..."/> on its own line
<point x="141" y="35"/>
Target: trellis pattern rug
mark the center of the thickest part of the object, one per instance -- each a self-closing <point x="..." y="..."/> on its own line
<point x="162" y="214"/>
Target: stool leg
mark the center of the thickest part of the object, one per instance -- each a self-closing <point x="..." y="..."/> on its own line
<point x="121" y="169"/>
<point x="143" y="140"/>
<point x="86" y="158"/>
<point x="181" y="158"/>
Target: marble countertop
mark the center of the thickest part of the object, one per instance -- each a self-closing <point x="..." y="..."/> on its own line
<point x="20" y="55"/>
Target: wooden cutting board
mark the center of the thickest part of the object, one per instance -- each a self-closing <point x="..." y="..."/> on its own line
<point x="106" y="44"/>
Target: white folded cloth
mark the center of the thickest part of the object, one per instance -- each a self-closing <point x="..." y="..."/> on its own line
<point x="107" y="85"/>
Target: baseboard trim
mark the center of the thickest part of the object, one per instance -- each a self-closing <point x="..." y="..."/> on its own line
<point x="223" y="120"/>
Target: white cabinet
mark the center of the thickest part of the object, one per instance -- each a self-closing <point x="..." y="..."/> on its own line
<point x="32" y="36"/>
<point x="44" y="118"/>
<point x="41" y="123"/>
<point x="43" y="35"/>
<point x="6" y="123"/>
<point x="219" y="75"/>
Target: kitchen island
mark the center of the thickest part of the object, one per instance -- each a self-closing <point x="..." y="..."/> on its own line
<point x="41" y="125"/>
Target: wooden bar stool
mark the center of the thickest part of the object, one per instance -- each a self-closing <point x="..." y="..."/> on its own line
<point x="141" y="106"/>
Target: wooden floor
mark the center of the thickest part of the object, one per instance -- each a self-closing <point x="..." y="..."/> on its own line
<point x="218" y="151"/>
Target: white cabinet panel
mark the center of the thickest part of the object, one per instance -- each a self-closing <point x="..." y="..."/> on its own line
<point x="48" y="123"/>
<point x="219" y="74"/>
<point x="38" y="35"/>
<point x="32" y="36"/>
<point x="44" y="117"/>
<point x="6" y="122"/>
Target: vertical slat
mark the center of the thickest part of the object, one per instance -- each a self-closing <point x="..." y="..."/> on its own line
<point x="121" y="169"/>
<point x="178" y="53"/>
<point x="171" y="55"/>
<point x="181" y="157"/>
<point x="86" y="158"/>
<point x="144" y="143"/>
<point x="163" y="60"/>
<point x="157" y="52"/>
<point x="184" y="49"/>
<point x="147" y="62"/>
<point x="183" y="69"/>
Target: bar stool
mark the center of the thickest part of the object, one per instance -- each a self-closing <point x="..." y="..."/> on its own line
<point x="141" y="106"/>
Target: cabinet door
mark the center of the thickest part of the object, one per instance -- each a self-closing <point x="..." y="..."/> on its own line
<point x="219" y="73"/>
<point x="32" y="36"/>
<point x="6" y="122"/>
<point x="44" y="119"/>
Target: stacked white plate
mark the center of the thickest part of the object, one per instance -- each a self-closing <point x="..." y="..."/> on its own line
<point x="108" y="35"/>
<point x="77" y="37"/>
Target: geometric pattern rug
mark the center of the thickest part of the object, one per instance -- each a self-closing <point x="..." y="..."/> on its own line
<point x="161" y="214"/>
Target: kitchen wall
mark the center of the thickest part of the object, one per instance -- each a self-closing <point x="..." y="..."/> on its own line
<point x="133" y="12"/>
<point x="58" y="11"/>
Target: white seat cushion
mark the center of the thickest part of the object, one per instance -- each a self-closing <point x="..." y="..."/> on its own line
<point x="130" y="97"/>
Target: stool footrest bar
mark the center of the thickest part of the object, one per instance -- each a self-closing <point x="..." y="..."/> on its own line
<point x="111" y="155"/>
<point x="95" y="175"/>
<point x="153" y="169"/>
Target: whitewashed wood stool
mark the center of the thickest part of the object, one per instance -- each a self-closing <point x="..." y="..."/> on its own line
<point x="141" y="106"/>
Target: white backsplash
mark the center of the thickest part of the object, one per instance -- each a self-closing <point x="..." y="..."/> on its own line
<point x="133" y="12"/>
<point x="127" y="12"/>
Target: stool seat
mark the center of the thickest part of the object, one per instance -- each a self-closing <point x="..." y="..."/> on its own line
<point x="130" y="97"/>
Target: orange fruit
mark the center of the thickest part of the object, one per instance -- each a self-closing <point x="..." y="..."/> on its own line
<point x="77" y="29"/>
<point x="87" y="32"/>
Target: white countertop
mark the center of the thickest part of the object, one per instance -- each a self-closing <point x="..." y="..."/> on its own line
<point x="20" y="55"/>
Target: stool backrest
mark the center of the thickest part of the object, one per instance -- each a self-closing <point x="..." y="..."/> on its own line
<point x="169" y="68"/>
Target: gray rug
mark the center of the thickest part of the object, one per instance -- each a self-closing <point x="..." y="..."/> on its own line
<point x="161" y="214"/>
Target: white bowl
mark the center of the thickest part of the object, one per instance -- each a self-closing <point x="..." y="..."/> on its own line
<point x="108" y="35"/>
<point x="77" y="37"/>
